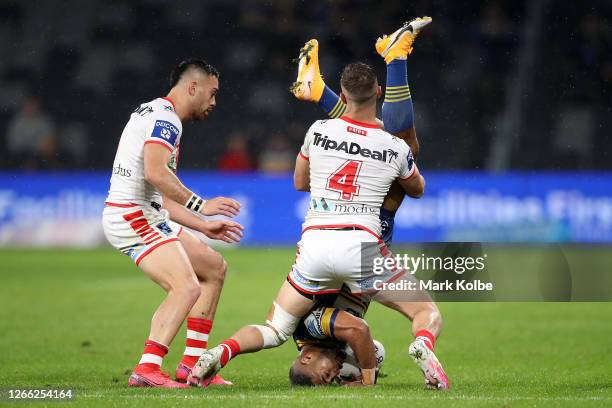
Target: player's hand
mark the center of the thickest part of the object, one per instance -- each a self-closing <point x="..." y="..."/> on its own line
<point x="357" y="383"/>
<point x="221" y="206"/>
<point x="222" y="230"/>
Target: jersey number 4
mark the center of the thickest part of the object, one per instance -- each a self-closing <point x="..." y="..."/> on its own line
<point x="344" y="180"/>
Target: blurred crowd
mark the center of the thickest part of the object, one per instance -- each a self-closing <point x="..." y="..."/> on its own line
<point x="72" y="71"/>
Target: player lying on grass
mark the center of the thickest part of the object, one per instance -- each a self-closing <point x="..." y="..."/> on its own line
<point x="348" y="165"/>
<point x="150" y="230"/>
<point x="327" y="338"/>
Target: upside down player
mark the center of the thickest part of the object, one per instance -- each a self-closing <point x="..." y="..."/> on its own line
<point x="398" y="119"/>
<point x="335" y="242"/>
<point x="134" y="222"/>
<point x="397" y="111"/>
<point x="326" y="336"/>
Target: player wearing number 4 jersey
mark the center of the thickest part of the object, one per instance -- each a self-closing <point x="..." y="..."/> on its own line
<point x="146" y="209"/>
<point x="348" y="165"/>
<point x="352" y="166"/>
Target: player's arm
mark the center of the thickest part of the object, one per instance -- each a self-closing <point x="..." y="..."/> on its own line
<point x="356" y="333"/>
<point x="158" y="174"/>
<point x="409" y="136"/>
<point x="414" y="185"/>
<point x="410" y="179"/>
<point x="223" y="230"/>
<point x="301" y="175"/>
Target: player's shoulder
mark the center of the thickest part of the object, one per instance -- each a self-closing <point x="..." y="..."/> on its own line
<point x="320" y="123"/>
<point x="328" y="125"/>
<point x="391" y="140"/>
<point x="158" y="109"/>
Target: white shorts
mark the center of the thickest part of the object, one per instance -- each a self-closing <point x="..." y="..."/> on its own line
<point x="328" y="259"/>
<point x="136" y="230"/>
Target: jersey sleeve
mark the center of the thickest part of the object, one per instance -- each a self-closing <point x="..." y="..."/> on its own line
<point x="320" y="322"/>
<point x="164" y="130"/>
<point x="305" y="149"/>
<point x="407" y="165"/>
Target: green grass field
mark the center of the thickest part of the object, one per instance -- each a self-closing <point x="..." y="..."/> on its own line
<point x="79" y="319"/>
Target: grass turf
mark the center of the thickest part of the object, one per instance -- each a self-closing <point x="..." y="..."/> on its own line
<point x="79" y="318"/>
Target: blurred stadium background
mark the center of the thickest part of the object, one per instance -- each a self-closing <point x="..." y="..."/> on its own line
<point x="512" y="103"/>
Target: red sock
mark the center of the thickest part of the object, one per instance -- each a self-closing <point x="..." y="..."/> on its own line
<point x="427" y="337"/>
<point x="197" y="339"/>
<point x="152" y="357"/>
<point x="231" y="349"/>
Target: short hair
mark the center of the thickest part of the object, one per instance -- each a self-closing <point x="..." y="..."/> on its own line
<point x="359" y="80"/>
<point x="191" y="63"/>
<point x="299" y="378"/>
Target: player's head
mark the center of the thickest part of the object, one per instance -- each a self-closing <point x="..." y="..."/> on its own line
<point x="359" y="85"/>
<point x="316" y="366"/>
<point x="197" y="84"/>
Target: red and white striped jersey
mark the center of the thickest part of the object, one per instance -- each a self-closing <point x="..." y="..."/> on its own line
<point x="152" y="122"/>
<point x="352" y="166"/>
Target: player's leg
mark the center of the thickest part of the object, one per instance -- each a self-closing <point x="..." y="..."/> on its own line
<point x="397" y="109"/>
<point x="398" y="118"/>
<point x="143" y="233"/>
<point x="210" y="269"/>
<point x="426" y="320"/>
<point x="169" y="267"/>
<point x="426" y="326"/>
<point x="310" y="86"/>
<point x="310" y="275"/>
<point x="425" y="317"/>
<point x="283" y="318"/>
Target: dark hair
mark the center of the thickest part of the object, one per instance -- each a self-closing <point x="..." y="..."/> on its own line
<point x="184" y="66"/>
<point x="359" y="79"/>
<point x="299" y="379"/>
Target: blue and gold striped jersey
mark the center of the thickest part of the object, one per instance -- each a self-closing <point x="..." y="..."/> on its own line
<point x="317" y="327"/>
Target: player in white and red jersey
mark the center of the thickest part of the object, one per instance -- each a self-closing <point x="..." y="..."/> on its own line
<point x="146" y="209"/>
<point x="356" y="162"/>
<point x="398" y="119"/>
<point x="348" y="165"/>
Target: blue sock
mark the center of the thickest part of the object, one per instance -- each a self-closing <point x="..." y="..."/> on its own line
<point x="331" y="103"/>
<point x="397" y="111"/>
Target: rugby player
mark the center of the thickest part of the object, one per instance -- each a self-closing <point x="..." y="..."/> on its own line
<point x="327" y="335"/>
<point x="145" y="214"/>
<point x="397" y="109"/>
<point x="397" y="112"/>
<point x="348" y="164"/>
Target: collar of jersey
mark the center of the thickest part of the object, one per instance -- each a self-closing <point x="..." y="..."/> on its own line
<point x="169" y="100"/>
<point x="362" y="124"/>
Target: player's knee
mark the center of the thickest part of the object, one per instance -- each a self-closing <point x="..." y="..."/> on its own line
<point x="216" y="273"/>
<point x="271" y="338"/>
<point x="210" y="266"/>
<point x="222" y="270"/>
<point x="279" y="328"/>
<point x="193" y="292"/>
<point x="189" y="290"/>
<point x="218" y="268"/>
